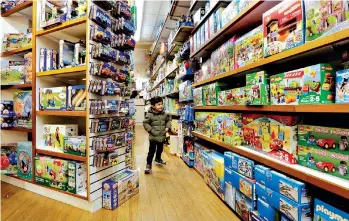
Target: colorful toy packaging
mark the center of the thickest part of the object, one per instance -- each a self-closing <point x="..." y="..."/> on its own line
<point x="119" y="189"/>
<point x="342" y="86"/>
<point x="257" y="89"/>
<point x="9" y="158"/>
<point x="324" y="211"/>
<point x="266" y="211"/>
<point x="12" y="72"/>
<point x="260" y="173"/>
<point x="51" y="172"/>
<point x="236" y="96"/>
<point x="54" y="98"/>
<point x="76" y="97"/>
<point x="324" y="149"/>
<point x="311" y="85"/>
<point x="322" y="17"/>
<point x="243" y="205"/>
<point x="230" y="12"/>
<point x="274" y="134"/>
<point x="241" y="165"/>
<point x="214" y="172"/>
<point x="22" y="103"/>
<point x="244" y="185"/>
<point x="210" y="93"/>
<point x="188" y="151"/>
<point x="202" y="123"/>
<point x="54" y="135"/>
<point x="185" y="91"/>
<point x="77" y="177"/>
<point x="229" y="190"/>
<point x="25" y="160"/>
<point x="197" y="95"/>
<point x="257" y="78"/>
<point x="75" y="145"/>
<point x="283" y="27"/>
<point x="249" y="48"/>
<point x="198" y="161"/>
<point x="232" y="128"/>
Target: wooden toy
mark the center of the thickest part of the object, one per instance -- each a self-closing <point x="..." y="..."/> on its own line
<point x="54" y="98"/>
<point x="342" y="86"/>
<point x="51" y="172"/>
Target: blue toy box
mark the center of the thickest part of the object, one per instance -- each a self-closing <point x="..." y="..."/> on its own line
<point x="228" y="160"/>
<point x="342" y="86"/>
<point x="255" y="216"/>
<point x="284" y="218"/>
<point x="242" y="165"/>
<point x="244" y="185"/>
<point x="229" y="194"/>
<point x="243" y="205"/>
<point x="214" y="173"/>
<point x="7" y="108"/>
<point x="293" y="189"/>
<point x="260" y="174"/>
<point x="266" y="211"/>
<point x="261" y="192"/>
<point x="324" y="211"/>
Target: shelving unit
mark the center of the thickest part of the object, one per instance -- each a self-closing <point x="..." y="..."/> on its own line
<point x="17" y="8"/>
<point x="18" y="86"/>
<point x="16" y="51"/>
<point x="63" y="71"/>
<point x="62" y="113"/>
<point x="20" y="129"/>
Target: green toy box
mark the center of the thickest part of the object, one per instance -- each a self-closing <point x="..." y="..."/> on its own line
<point x="222" y="98"/>
<point x="210" y="93"/>
<point x="257" y="94"/>
<point x="51" y="172"/>
<point x="232" y="130"/>
<point x="310" y="85"/>
<point x="54" y="135"/>
<point x="77" y="177"/>
<point x="260" y="77"/>
<point x="25" y="160"/>
<point x="197" y="96"/>
<point x="235" y="96"/>
<point x="54" y="98"/>
<point x="325" y="149"/>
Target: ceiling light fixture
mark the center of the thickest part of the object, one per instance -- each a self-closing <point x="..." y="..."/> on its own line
<point x="140" y="9"/>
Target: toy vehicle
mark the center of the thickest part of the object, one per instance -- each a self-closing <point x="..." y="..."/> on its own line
<point x="326" y="166"/>
<point x="326" y="143"/>
<point x="276" y="145"/>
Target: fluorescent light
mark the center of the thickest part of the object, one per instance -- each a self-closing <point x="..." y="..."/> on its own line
<point x="140" y="8"/>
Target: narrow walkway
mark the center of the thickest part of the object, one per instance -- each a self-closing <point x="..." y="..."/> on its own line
<point x="173" y="192"/>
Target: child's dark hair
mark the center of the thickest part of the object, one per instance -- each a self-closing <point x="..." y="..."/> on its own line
<point x="155" y="100"/>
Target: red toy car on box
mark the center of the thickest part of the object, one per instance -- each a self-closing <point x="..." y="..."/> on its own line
<point x="326" y="143"/>
<point x="326" y="166"/>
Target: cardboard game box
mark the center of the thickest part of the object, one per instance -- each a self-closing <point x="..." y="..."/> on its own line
<point x="22" y="103"/>
<point x="9" y="158"/>
<point x="54" y="98"/>
<point x="25" y="160"/>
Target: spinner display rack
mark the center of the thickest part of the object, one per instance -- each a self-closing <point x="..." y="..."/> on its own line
<point x="71" y="30"/>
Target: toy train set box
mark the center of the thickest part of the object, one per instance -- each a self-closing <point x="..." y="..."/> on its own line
<point x="324" y="211"/>
<point x="273" y="134"/>
<point x="324" y="149"/>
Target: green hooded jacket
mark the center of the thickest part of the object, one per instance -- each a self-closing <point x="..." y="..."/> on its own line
<point x="155" y="124"/>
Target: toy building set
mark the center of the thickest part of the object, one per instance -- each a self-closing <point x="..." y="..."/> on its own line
<point x="54" y="98"/>
<point x="232" y="128"/>
<point x="22" y="103"/>
<point x="229" y="190"/>
<point x="198" y="159"/>
<point x="210" y="93"/>
<point x="9" y="158"/>
<point x="325" y="211"/>
<point x="243" y="205"/>
<point x="311" y="85"/>
<point x="25" y="160"/>
<point x="342" y="86"/>
<point x="77" y="177"/>
<point x="274" y="134"/>
<point x="8" y="115"/>
<point x="185" y="91"/>
<point x="324" y="149"/>
<point x="283" y="27"/>
<point x="243" y="184"/>
<point x="188" y="151"/>
<point x="197" y="96"/>
<point x="119" y="189"/>
<point x="75" y="145"/>
<point x="239" y="164"/>
<point x="12" y="41"/>
<point x="54" y="135"/>
<point x="214" y="171"/>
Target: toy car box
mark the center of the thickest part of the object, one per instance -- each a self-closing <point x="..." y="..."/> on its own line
<point x="54" y="134"/>
<point x="22" y="103"/>
<point x="293" y="189"/>
<point x="9" y="158"/>
<point x="266" y="211"/>
<point x="119" y="189"/>
<point x="76" y="97"/>
<point x="309" y="85"/>
<point x="25" y="160"/>
<point x="323" y="17"/>
<point x="54" y="98"/>
<point x="274" y="134"/>
<point x="7" y="108"/>
<point x="324" y="149"/>
<point x="75" y="145"/>
<point x="260" y="174"/>
<point x="229" y="190"/>
<point x="243" y="166"/>
<point x="214" y="171"/>
<point x="244" y="205"/>
<point x="283" y="27"/>
<point x="232" y="128"/>
<point x="342" y="86"/>
<point x="244" y="185"/>
<point x="197" y="96"/>
<point x="210" y="93"/>
<point x="77" y="177"/>
<point x="325" y="211"/>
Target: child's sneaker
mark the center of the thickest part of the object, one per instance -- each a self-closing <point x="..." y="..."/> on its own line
<point x="147" y="169"/>
<point x="160" y="162"/>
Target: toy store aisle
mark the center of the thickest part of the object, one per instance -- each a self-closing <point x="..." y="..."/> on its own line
<point x="173" y="192"/>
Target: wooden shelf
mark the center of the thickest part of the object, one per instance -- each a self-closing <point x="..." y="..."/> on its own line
<point x="196" y="5"/>
<point x="81" y="68"/>
<point x="155" y="73"/>
<point x="18" y="86"/>
<point x="16" y="51"/>
<point x="325" y="181"/>
<point x="311" y="108"/>
<point x="61" y="155"/>
<point x="67" y="24"/>
<point x="20" y="129"/>
<point x="61" y="113"/>
<point x="64" y="192"/>
<point x="182" y="34"/>
<point x="17" y="8"/>
<point x="162" y="80"/>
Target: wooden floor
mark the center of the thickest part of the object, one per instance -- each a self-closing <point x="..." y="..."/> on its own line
<point x="173" y="192"/>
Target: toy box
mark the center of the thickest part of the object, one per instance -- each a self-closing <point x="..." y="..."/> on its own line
<point x="232" y="128"/>
<point x="244" y="185"/>
<point x="242" y="166"/>
<point x="188" y="151"/>
<point x="215" y="63"/>
<point x="257" y="94"/>
<point x="66" y="54"/>
<point x="28" y="68"/>
<point x="75" y="145"/>
<point x="8" y="122"/>
<point x="54" y="98"/>
<point x="228" y="163"/>
<point x="54" y="135"/>
<point x="51" y="172"/>
<point x="120" y="188"/>
<point x="261" y="192"/>
<point x="260" y="174"/>
<point x="324" y="211"/>
<point x="217" y="126"/>
<point x="257" y="78"/>
<point x="293" y="189"/>
<point x="12" y="72"/>
<point x="255" y="216"/>
<point x="76" y="97"/>
<point x="237" y="96"/>
<point x="9" y="158"/>
<point x="214" y="172"/>
<point x="323" y="16"/>
<point x="185" y="91"/>
<point x="197" y="96"/>
<point x="51" y="60"/>
<point x="229" y="190"/>
<point x="210" y="93"/>
<point x="198" y="161"/>
<point x="342" y="86"/>
<point x="204" y="122"/>
<point x="22" y="102"/>
<point x="7" y="108"/>
<point x="283" y="27"/>
<point x="25" y="160"/>
<point x="324" y="149"/>
<point x="222" y="98"/>
<point x="77" y="177"/>
<point x="310" y="85"/>
<point x="249" y="48"/>
<point x="243" y="205"/>
<point x="274" y="134"/>
<point x="230" y="12"/>
<point x="266" y="211"/>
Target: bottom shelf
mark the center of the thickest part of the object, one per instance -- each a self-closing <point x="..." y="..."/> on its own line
<point x="325" y="181"/>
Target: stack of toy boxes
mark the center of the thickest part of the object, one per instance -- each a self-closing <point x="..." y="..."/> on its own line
<point x="283" y="27"/>
<point x="77" y="177"/>
<point x="24" y="160"/>
<point x="324" y="149"/>
<point x="75" y="145"/>
<point x="185" y="91"/>
<point x="230" y="12"/>
<point x="214" y="171"/>
<point x="325" y="211"/>
<point x="239" y="178"/>
<point x="7" y="114"/>
<point x="48" y="60"/>
<point x="342" y="86"/>
<point x="274" y="134"/>
<point x="223" y="60"/>
<point x="232" y="129"/>
<point x="12" y="72"/>
<point x="120" y="188"/>
<point x="54" y="135"/>
<point x="197" y="96"/>
<point x="210" y="93"/>
<point x="9" y="158"/>
<point x="310" y="85"/>
<point x="324" y="17"/>
<point x="279" y="193"/>
<point x="257" y="88"/>
<point x="206" y="70"/>
<point x="22" y="103"/>
<point x="198" y="160"/>
<point x="249" y="48"/>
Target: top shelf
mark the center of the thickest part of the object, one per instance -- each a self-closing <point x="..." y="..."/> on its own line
<point x="17" y="8"/>
<point x="179" y="8"/>
<point x="196" y="5"/>
<point x="182" y="34"/>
